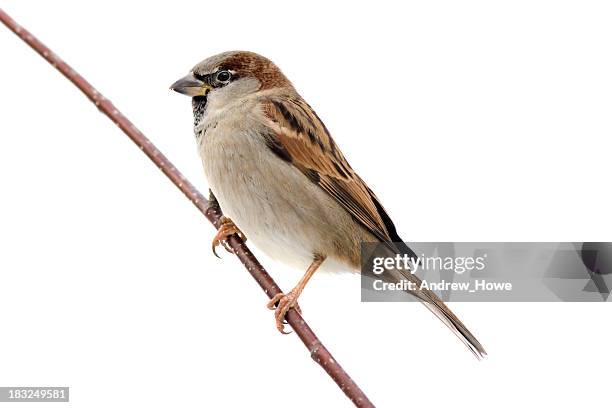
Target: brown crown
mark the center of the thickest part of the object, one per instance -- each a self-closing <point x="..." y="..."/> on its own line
<point x="249" y="64"/>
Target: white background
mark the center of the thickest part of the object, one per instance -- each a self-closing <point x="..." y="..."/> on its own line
<point x="473" y="121"/>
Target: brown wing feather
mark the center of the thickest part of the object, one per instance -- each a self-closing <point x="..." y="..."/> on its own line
<point x="299" y="136"/>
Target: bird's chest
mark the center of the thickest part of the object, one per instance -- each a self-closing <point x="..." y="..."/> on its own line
<point x="235" y="161"/>
<point x="229" y="147"/>
<point x="230" y="161"/>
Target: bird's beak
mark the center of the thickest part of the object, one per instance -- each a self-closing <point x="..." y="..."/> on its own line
<point x="190" y="85"/>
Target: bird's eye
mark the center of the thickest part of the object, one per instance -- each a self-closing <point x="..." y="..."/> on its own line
<point x="223" y="76"/>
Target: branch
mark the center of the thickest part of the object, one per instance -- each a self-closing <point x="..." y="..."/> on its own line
<point x="318" y="352"/>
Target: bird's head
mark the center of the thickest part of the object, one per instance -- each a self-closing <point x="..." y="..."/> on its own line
<point x="225" y="77"/>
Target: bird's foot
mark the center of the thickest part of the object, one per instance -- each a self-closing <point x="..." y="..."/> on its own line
<point x="281" y="304"/>
<point x="226" y="228"/>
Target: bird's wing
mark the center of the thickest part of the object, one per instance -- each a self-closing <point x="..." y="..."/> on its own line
<point x="298" y="136"/>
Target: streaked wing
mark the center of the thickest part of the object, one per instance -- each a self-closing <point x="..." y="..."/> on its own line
<point x="300" y="137"/>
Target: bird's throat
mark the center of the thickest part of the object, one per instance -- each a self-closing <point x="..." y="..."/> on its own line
<point x="198" y="104"/>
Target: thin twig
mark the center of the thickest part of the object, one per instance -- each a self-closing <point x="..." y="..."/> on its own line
<point x="318" y="352"/>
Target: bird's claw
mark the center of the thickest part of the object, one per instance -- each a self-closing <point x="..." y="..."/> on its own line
<point x="281" y="304"/>
<point x="226" y="228"/>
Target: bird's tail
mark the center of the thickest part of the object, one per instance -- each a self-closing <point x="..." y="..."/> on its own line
<point x="438" y="308"/>
<point x="432" y="301"/>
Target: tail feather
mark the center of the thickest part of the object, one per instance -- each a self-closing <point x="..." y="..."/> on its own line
<point x="426" y="296"/>
<point x="438" y="308"/>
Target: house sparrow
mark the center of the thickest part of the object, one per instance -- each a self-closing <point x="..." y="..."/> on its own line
<point x="280" y="178"/>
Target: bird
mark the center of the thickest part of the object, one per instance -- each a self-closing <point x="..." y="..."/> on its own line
<point x="282" y="182"/>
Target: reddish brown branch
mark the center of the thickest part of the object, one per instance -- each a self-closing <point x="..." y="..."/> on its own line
<point x="317" y="350"/>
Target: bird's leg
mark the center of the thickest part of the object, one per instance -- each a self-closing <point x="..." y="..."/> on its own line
<point x="282" y="303"/>
<point x="226" y="228"/>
